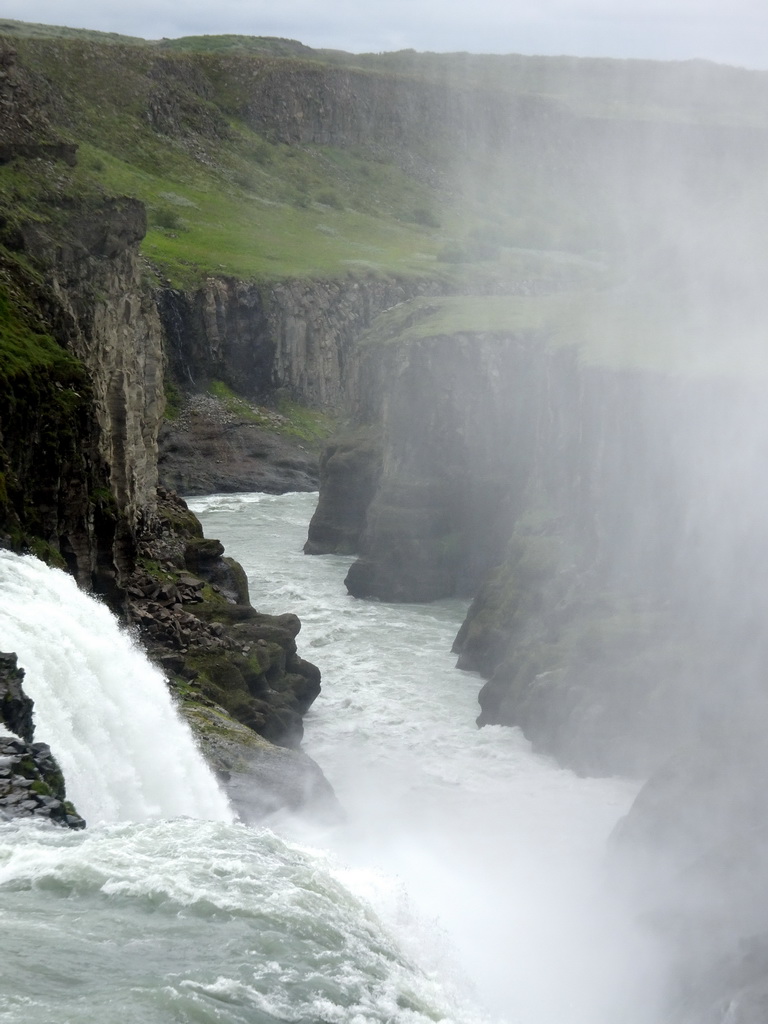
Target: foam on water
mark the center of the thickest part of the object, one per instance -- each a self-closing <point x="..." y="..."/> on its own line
<point x="99" y="703"/>
<point x="188" y="920"/>
<point x="465" y="887"/>
<point x="495" y="849"/>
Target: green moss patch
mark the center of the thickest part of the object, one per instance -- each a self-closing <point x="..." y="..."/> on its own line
<point x="25" y="350"/>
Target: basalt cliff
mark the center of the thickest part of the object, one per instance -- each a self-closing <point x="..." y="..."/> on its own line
<point x="85" y="356"/>
<point x="509" y="312"/>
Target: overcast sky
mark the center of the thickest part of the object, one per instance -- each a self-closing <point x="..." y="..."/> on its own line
<point x="727" y="31"/>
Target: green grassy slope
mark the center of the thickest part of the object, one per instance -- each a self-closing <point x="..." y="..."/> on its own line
<point x="553" y="200"/>
<point x="221" y="199"/>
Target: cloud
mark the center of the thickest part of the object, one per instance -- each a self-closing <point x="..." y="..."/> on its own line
<point x="662" y="29"/>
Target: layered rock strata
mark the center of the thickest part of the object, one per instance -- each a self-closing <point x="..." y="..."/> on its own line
<point x="295" y="337"/>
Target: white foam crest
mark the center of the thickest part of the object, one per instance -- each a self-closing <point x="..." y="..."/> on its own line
<point x="103" y="708"/>
<point x="241" y="925"/>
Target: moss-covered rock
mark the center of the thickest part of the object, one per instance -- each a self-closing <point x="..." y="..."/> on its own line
<point x="192" y="608"/>
<point x="260" y="777"/>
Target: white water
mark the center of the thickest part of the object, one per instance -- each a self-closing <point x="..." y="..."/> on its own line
<point x="101" y="706"/>
<point x="466" y="887"/>
<point x="496" y="851"/>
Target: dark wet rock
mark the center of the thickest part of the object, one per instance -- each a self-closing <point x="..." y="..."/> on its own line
<point x="193" y="612"/>
<point x="32" y="784"/>
<point x="349" y="472"/>
<point x="15" y="706"/>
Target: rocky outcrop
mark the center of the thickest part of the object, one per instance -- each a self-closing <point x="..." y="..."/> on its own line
<point x="31" y="782"/>
<point x="208" y="449"/>
<point x="32" y="786"/>
<point x="15" y="706"/>
<point x="350" y="467"/>
<point x="260" y="778"/>
<point x="192" y="609"/>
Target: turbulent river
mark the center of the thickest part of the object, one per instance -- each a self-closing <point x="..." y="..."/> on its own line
<point x="466" y="885"/>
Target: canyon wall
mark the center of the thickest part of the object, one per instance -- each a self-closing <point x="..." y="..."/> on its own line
<point x="297" y="337"/>
<point x="584" y="509"/>
<point x="582" y="506"/>
<point x="110" y="322"/>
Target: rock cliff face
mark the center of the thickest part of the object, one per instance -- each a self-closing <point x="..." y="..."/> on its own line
<point x="111" y="324"/>
<point x="612" y="525"/>
<point x="583" y="508"/>
<point x="298" y="337"/>
<point x="84" y="355"/>
<point x="294" y="339"/>
<point x="91" y="485"/>
<point x="434" y="127"/>
<point x="440" y="470"/>
<point x="479" y="430"/>
<point x="122" y="542"/>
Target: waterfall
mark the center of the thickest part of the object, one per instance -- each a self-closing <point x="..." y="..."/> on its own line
<point x="102" y="707"/>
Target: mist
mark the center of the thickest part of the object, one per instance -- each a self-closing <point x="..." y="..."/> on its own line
<point x="529" y="291"/>
<point x="487" y="862"/>
<point x="584" y="451"/>
<point x="676" y="532"/>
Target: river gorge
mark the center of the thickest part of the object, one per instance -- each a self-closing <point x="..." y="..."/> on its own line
<point x="508" y="316"/>
<point x="467" y="881"/>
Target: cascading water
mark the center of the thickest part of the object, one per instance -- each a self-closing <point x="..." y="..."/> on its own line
<point x="100" y="705"/>
<point x="465" y="887"/>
